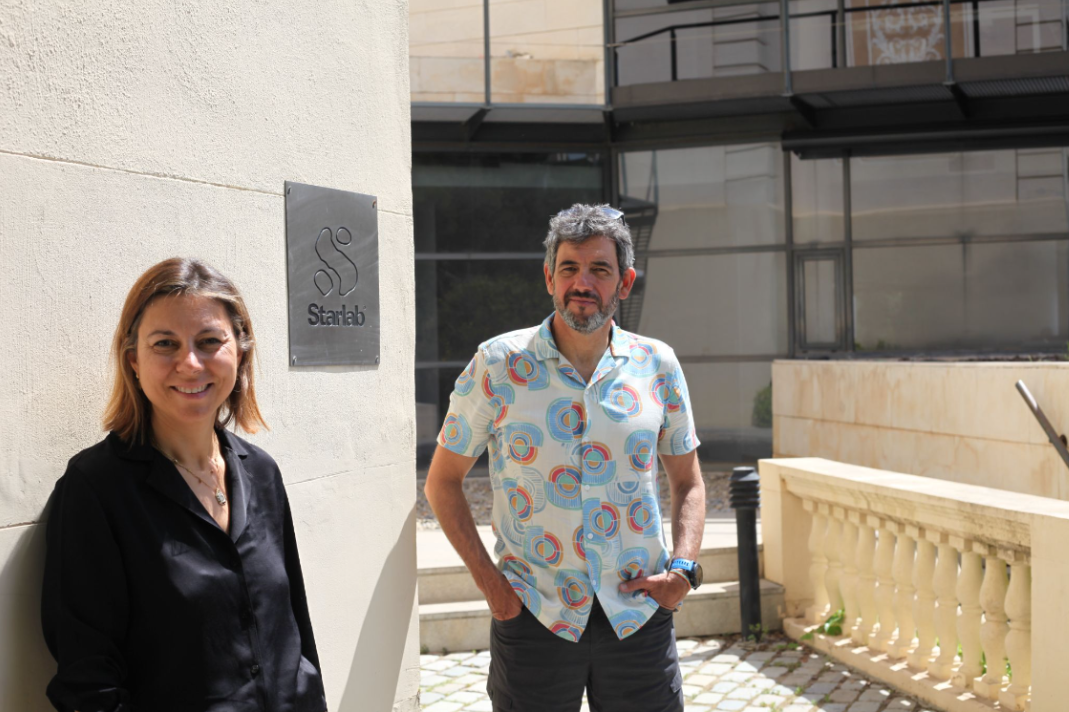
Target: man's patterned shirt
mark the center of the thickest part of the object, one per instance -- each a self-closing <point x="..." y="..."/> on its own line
<point x="573" y="467"/>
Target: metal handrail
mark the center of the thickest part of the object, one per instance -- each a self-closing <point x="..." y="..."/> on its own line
<point x="672" y="30"/>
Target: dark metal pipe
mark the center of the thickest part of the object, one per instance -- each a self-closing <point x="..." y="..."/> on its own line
<point x="745" y="496"/>
<point x="1058" y="441"/>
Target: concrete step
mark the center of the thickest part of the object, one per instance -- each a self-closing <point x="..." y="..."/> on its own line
<point x="711" y="610"/>
<point x="443" y="578"/>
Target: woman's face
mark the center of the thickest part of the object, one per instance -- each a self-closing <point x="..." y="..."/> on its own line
<point x="186" y="360"/>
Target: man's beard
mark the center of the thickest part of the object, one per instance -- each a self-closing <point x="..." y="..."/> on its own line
<point x="587" y="324"/>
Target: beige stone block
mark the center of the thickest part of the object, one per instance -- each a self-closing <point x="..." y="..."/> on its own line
<point x="785" y="524"/>
<point x="442" y="74"/>
<point x="447" y="25"/>
<point x="873" y="401"/>
<point x="789" y="437"/>
<point x="809" y="403"/>
<point x="838" y="393"/>
<point x="999" y="412"/>
<point x="1050" y="625"/>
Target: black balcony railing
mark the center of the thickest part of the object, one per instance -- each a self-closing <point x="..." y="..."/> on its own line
<point x="837" y="22"/>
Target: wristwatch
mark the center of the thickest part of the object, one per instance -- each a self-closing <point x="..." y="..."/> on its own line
<point x="691" y="569"/>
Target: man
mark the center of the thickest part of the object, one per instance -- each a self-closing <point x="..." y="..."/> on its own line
<point x="574" y="413"/>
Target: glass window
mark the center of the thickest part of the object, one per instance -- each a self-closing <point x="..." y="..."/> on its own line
<point x="813" y="35"/>
<point x="821" y="301"/>
<point x="713" y="42"/>
<point x="545" y="51"/>
<point x="817" y="200"/>
<point x="879" y="32"/>
<point x="732" y="405"/>
<point x="445" y="47"/>
<point x="708" y="196"/>
<point x="976" y="194"/>
<point x="1015" y="27"/>
<point x="971" y="296"/>
<point x="496" y="202"/>
<point x="716" y="305"/>
<point x="476" y="300"/>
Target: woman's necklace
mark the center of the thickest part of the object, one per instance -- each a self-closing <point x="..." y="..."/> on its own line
<point x="219" y="496"/>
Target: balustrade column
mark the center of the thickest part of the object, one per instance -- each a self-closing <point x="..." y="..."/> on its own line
<point x="968" y="592"/>
<point x="848" y="583"/>
<point x="1019" y="639"/>
<point x="832" y="549"/>
<point x="994" y="630"/>
<point x="924" y="604"/>
<point x="885" y="590"/>
<point x="946" y="615"/>
<point x="866" y="579"/>
<point x="818" y="563"/>
<point x="903" y="573"/>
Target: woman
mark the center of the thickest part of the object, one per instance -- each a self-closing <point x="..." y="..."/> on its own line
<point x="172" y="582"/>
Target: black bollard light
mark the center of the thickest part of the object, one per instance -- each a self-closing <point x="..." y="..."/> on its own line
<point x="745" y="495"/>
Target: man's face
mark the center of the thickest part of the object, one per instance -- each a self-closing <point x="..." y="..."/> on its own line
<point x="586" y="283"/>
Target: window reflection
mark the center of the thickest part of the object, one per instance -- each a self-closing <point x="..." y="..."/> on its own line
<point x="971" y="296"/>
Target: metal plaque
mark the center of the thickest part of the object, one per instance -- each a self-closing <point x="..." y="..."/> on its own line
<point x="332" y="257"/>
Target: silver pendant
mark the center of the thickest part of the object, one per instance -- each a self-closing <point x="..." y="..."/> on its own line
<point x="220" y="497"/>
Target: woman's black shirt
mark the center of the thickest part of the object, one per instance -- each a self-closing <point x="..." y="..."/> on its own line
<point x="149" y="606"/>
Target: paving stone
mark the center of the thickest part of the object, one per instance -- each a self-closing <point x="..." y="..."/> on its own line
<point x="708" y="698"/>
<point x="820" y="688"/>
<point x="460" y="656"/>
<point x="878" y="695"/>
<point x="844" y="696"/>
<point x="715" y="669"/>
<point x="744" y="693"/>
<point x="831" y="677"/>
<point x="901" y="704"/>
<point x="429" y="698"/>
<point x="443" y="706"/>
<point x="768" y="700"/>
<point x="724" y="687"/>
<point x="438" y="664"/>
<point x="773" y="672"/>
<point x="455" y="671"/>
<point x="762" y="656"/>
<point x="691" y="690"/>
<point x="731" y="705"/>
<point x="432" y="680"/>
<point x="448" y="688"/>
<point x="864" y="707"/>
<point x="701" y="680"/>
<point x="481" y="706"/>
<point x="748" y="666"/>
<point x="738" y="676"/>
<point x="464" y="697"/>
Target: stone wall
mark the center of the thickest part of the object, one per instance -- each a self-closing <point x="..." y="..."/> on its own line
<point x="134" y="132"/>
<point x="963" y="422"/>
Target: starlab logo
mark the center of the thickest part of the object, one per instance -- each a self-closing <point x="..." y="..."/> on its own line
<point x="339" y="273"/>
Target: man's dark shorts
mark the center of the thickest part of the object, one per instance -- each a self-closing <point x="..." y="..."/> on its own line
<point x="533" y="670"/>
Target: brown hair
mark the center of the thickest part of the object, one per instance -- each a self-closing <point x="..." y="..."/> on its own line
<point x="128" y="410"/>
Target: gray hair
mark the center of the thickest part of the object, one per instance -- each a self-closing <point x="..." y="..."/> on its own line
<point x="581" y="222"/>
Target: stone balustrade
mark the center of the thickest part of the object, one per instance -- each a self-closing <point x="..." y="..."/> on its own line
<point x="934" y="579"/>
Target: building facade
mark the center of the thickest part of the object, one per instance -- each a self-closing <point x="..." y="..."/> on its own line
<point x="869" y="178"/>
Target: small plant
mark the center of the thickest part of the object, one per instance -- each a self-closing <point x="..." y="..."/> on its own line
<point x="799" y="691"/>
<point x="424" y="650"/>
<point x="832" y="626"/>
<point x="826" y="698"/>
<point x="757" y="632"/>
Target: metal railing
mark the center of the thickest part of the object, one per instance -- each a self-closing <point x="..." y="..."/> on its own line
<point x="837" y="25"/>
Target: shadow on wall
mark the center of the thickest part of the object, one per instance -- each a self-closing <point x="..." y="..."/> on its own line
<point x="25" y="663"/>
<point x="384" y="633"/>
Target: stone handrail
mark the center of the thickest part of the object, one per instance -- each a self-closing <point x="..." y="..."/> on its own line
<point x="912" y="561"/>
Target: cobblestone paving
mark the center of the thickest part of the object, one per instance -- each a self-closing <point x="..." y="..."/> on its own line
<point x="719" y="674"/>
